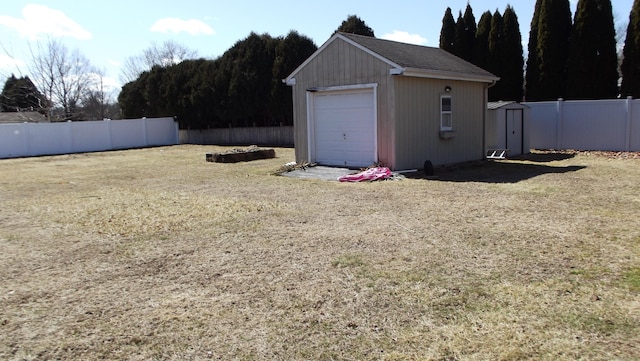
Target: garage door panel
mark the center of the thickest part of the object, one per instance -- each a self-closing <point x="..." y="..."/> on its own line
<point x="344" y="131"/>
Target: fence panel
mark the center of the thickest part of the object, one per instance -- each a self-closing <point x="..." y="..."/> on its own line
<point x="90" y="136"/>
<point x="271" y="136"/>
<point x="30" y="139"/>
<point x="586" y="125"/>
<point x="543" y="118"/>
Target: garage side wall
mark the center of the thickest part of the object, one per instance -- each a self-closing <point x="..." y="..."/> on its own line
<point x="342" y="64"/>
<point x="418" y="122"/>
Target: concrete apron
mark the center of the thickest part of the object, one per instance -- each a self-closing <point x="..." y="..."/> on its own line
<point x="320" y="172"/>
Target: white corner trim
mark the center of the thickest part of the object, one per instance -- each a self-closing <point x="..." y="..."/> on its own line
<point x="289" y="81"/>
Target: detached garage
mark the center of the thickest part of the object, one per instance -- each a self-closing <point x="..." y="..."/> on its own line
<point x="358" y="101"/>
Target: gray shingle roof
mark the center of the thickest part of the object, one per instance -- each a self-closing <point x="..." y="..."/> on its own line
<point x="419" y="57"/>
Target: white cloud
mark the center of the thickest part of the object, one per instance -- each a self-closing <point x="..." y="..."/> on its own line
<point x="405" y="37"/>
<point x="40" y="20"/>
<point x="174" y="25"/>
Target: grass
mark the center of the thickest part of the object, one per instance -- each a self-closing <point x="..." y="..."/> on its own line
<point x="156" y="254"/>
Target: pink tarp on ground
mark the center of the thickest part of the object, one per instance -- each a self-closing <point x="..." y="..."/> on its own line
<point x="370" y="174"/>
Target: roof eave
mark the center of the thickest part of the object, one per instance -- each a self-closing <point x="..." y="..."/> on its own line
<point x="290" y="80"/>
<point x="436" y="74"/>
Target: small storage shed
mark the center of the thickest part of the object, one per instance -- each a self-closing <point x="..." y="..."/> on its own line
<point x="360" y="100"/>
<point x="507" y="128"/>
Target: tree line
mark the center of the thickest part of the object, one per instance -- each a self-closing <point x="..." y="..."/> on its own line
<point x="240" y="88"/>
<point x="567" y="58"/>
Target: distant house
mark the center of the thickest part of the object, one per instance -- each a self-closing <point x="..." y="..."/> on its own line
<point x="359" y="100"/>
<point x="22" y="117"/>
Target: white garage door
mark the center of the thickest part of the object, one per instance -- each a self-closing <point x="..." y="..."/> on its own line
<point x="344" y="126"/>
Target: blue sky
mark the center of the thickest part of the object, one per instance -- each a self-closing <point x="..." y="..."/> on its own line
<point x="108" y="32"/>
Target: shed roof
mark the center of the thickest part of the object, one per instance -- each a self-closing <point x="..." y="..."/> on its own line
<point x="411" y="60"/>
<point x="503" y="103"/>
<point x="22" y="117"/>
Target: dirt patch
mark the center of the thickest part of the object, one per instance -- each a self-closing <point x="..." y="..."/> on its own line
<point x="155" y="254"/>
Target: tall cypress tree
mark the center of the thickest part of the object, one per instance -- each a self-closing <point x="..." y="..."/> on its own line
<point x="631" y="53"/>
<point x="448" y="32"/>
<point x="593" y="61"/>
<point x="481" y="42"/>
<point x="459" y="46"/>
<point x="496" y="60"/>
<point x="465" y="34"/>
<point x="554" y="29"/>
<point x="512" y="77"/>
<point x="533" y="62"/>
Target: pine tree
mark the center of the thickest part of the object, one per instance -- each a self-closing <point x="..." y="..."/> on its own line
<point x="554" y="28"/>
<point x="20" y="94"/>
<point x="465" y="34"/>
<point x="533" y="62"/>
<point x="592" y="62"/>
<point x="481" y="42"/>
<point x="496" y="61"/>
<point x="512" y="77"/>
<point x="448" y="32"/>
<point x="355" y="25"/>
<point x="631" y="53"/>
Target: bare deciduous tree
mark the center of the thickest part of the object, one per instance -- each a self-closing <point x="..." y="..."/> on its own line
<point x="64" y="77"/>
<point x="168" y="53"/>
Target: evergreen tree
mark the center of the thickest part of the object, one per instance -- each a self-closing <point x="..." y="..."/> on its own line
<point x="291" y="51"/>
<point x="465" y="34"/>
<point x="448" y="32"/>
<point x="20" y="94"/>
<point x="532" y="85"/>
<point x="354" y="25"/>
<point x="481" y="42"/>
<point x="496" y="60"/>
<point x="631" y="62"/>
<point x="554" y="27"/>
<point x="512" y="77"/>
<point x="592" y="62"/>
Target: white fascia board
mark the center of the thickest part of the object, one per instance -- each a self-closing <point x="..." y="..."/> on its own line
<point x="434" y="74"/>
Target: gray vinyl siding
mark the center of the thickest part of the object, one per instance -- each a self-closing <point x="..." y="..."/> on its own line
<point x="341" y="63"/>
<point x="418" y="122"/>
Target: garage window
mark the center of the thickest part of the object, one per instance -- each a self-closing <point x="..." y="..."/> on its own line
<point x="445" y="113"/>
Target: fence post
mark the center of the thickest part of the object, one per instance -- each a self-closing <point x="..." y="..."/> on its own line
<point x="628" y="113"/>
<point x="560" y="116"/>
<point x="144" y="131"/>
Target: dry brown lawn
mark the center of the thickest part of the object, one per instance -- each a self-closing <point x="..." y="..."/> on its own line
<point x="155" y="254"/>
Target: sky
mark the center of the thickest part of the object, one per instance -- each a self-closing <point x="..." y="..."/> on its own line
<point x="108" y="32"/>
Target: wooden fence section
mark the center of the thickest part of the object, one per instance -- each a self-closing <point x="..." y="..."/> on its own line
<point x="32" y="139"/>
<point x="265" y="136"/>
<point x="585" y="124"/>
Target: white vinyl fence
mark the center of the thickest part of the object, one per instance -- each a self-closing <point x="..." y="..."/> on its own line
<point x="585" y="124"/>
<point x="31" y="139"/>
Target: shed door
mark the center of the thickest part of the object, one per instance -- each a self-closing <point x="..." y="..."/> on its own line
<point x="344" y="128"/>
<point x="514" y="131"/>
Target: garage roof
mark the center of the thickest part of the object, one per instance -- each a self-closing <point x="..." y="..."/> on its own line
<point x="411" y="60"/>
